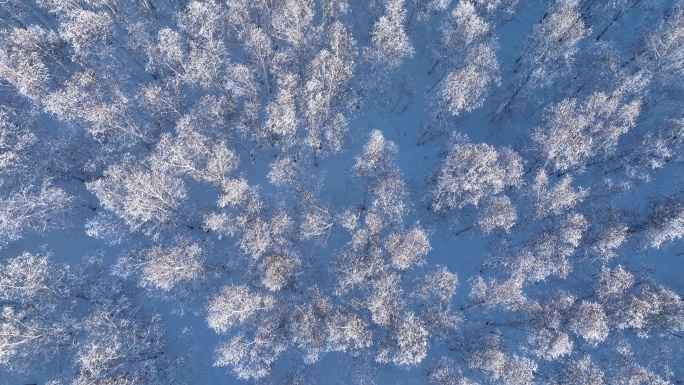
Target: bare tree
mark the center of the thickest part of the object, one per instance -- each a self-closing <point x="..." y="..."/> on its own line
<point x="32" y="209"/>
<point x="145" y="199"/>
<point x="235" y="305"/>
<point x="164" y="268"/>
<point x="390" y="43"/>
<point x="471" y="172"/>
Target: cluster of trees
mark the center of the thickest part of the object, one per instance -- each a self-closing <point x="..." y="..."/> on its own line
<point x="79" y="324"/>
<point x="213" y="151"/>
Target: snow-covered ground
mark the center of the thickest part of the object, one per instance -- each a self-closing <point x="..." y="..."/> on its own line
<point x="260" y="179"/>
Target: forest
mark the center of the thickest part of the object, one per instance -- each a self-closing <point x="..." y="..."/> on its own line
<point x="445" y="192"/>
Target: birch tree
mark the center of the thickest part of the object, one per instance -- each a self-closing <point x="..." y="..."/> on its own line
<point x="144" y="199"/>
<point x="235" y="305"/>
<point x="33" y="210"/>
<point x="390" y="43"/>
<point x="471" y="172"/>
